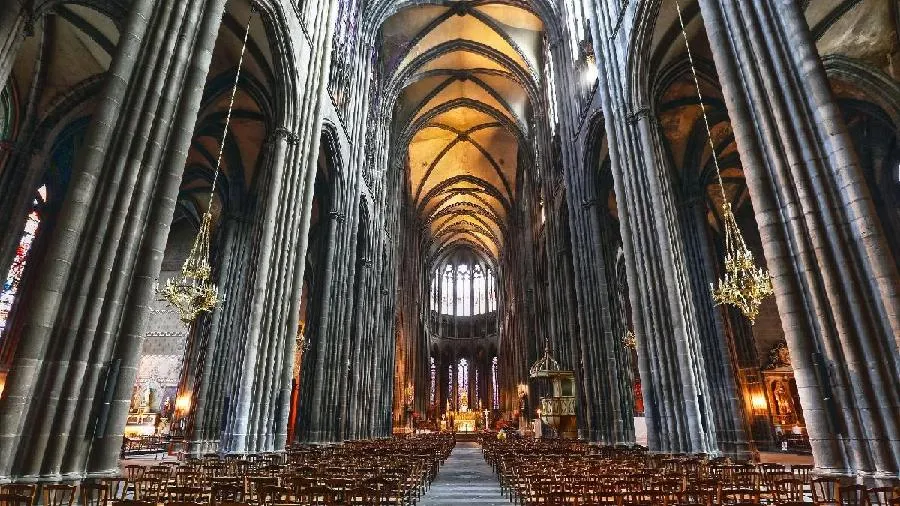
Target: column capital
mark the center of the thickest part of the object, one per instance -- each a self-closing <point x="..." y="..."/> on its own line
<point x="644" y="112"/>
<point x="337" y="215"/>
<point x="283" y="133"/>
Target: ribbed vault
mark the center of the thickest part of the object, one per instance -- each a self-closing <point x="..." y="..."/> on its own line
<point x="464" y="70"/>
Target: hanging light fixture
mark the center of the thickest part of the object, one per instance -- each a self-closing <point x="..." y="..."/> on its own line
<point x="744" y="285"/>
<point x="193" y="291"/>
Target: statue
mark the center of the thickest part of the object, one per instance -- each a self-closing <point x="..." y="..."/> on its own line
<point x="523" y="404"/>
<point x="783" y="403"/>
<point x="135" y="398"/>
<point x="779" y="356"/>
<point x="166" y="410"/>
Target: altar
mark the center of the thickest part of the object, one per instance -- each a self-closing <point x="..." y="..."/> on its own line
<point x="465" y="421"/>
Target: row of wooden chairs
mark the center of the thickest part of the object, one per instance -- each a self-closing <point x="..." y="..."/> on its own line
<point x="394" y="471"/>
<point x="573" y="472"/>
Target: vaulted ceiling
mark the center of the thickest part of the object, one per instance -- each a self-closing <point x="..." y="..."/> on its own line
<point x="464" y="69"/>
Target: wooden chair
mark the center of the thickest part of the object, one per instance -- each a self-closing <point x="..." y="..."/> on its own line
<point x="790" y="490"/>
<point x="150" y="489"/>
<point x="28" y="490"/>
<point x="363" y="496"/>
<point x="707" y="497"/>
<point x="58" y="495"/>
<point x="116" y="488"/>
<point x="271" y="494"/>
<point x="14" y="500"/>
<point x="803" y="472"/>
<point x="740" y="496"/>
<point x="178" y="494"/>
<point x="184" y="503"/>
<point x="853" y="495"/>
<point x="253" y="486"/>
<point x="318" y="496"/>
<point x="222" y="493"/>
<point x="826" y="491"/>
<point x="881" y="496"/>
<point x="93" y="494"/>
<point x="133" y="502"/>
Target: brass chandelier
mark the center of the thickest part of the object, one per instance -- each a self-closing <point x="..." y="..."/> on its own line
<point x="193" y="291"/>
<point x="744" y="285"/>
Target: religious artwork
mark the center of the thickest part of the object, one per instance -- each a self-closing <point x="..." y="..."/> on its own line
<point x="779" y="356"/>
<point x="783" y="399"/>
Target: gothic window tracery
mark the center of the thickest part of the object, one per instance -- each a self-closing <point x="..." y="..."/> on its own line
<point x="463" y="290"/>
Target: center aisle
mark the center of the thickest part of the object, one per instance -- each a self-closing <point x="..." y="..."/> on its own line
<point x="465" y="478"/>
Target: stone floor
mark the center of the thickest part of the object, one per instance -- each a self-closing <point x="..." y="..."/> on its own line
<point x="465" y="478"/>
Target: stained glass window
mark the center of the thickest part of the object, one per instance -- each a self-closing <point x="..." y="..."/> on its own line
<point x="479" y="289"/>
<point x="433" y="381"/>
<point x="463" y="290"/>
<point x="463" y="385"/>
<point x="14" y="276"/>
<point x="495" y="389"/>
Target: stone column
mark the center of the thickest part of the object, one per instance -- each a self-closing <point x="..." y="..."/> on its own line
<point x="677" y="398"/>
<point x="13" y="20"/>
<point x="104" y="453"/>
<point x="24" y="377"/>
<point x="835" y="281"/>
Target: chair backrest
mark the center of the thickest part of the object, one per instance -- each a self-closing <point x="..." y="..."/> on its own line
<point x="24" y="489"/>
<point x="149" y="488"/>
<point x="707" y="497"/>
<point x="270" y="494"/>
<point x="184" y="503"/>
<point x="184" y="494"/>
<point x="853" y="495"/>
<point x="363" y="496"/>
<point x="881" y="496"/>
<point x="93" y="494"/>
<point x="803" y="472"/>
<point x="826" y="490"/>
<point x="133" y="502"/>
<point x="134" y="472"/>
<point x="116" y="488"/>
<point x="58" y="495"/>
<point x="14" y="500"/>
<point x="740" y="495"/>
<point x="222" y="493"/>
<point x="789" y="490"/>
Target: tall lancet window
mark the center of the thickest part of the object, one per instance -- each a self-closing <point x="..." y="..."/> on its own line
<point x="491" y="291"/>
<point x="495" y="385"/>
<point x="433" y="396"/>
<point x="447" y="294"/>
<point x="463" y="385"/>
<point x="450" y="393"/>
<point x="463" y="291"/>
<point x="10" y="287"/>
<point x="479" y="290"/>
<point x="463" y="286"/>
<point x="435" y="290"/>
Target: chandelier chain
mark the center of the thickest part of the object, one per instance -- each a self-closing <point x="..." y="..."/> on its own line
<point x="234" y="89"/>
<point x="743" y="285"/>
<point x="712" y="145"/>
<point x="193" y="291"/>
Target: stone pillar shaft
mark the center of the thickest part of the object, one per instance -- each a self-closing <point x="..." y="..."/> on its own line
<point x="836" y="287"/>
